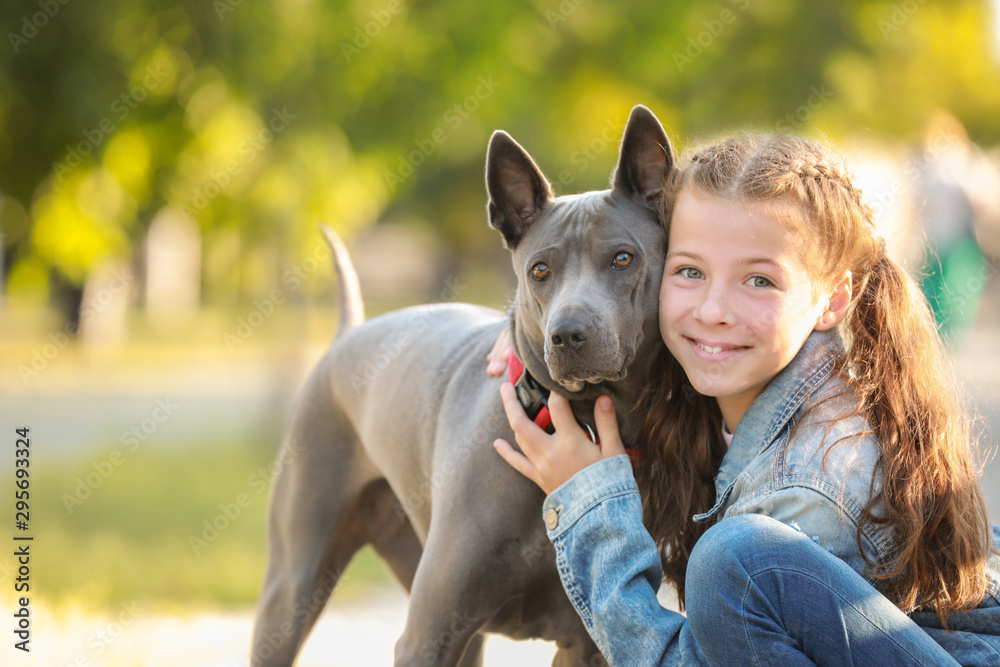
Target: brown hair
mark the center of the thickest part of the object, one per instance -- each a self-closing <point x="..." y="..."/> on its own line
<point x="895" y="363"/>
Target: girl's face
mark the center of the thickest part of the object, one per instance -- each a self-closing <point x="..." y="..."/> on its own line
<point x="737" y="300"/>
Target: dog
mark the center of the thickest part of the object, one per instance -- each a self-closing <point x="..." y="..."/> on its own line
<point x="391" y="439"/>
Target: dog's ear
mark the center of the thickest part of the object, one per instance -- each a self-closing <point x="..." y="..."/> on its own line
<point x="645" y="159"/>
<point x="517" y="188"/>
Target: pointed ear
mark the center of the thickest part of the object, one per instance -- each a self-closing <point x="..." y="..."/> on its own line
<point x="517" y="189"/>
<point x="645" y="158"/>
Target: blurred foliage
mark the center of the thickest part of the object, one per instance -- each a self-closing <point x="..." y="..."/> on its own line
<point x="259" y="119"/>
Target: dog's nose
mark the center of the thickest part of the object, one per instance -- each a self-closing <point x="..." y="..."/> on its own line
<point x="569" y="333"/>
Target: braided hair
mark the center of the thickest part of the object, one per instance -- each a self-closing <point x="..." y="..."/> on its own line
<point x="895" y="362"/>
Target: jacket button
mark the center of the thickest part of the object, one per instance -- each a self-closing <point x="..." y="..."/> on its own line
<point x="551" y="518"/>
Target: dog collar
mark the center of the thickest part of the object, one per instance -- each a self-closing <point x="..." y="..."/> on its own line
<point x="534" y="398"/>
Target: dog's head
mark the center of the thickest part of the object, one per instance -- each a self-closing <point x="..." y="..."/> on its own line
<point x="588" y="266"/>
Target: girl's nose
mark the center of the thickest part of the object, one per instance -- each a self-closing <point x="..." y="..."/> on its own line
<point x="714" y="308"/>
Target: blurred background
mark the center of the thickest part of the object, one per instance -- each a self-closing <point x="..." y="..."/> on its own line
<point x="164" y="167"/>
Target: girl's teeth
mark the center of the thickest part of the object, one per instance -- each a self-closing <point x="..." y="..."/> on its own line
<point x="710" y="350"/>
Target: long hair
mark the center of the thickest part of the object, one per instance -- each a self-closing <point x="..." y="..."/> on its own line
<point x="926" y="480"/>
<point x="684" y="448"/>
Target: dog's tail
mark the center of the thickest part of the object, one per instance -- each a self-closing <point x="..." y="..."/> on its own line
<point x="352" y="307"/>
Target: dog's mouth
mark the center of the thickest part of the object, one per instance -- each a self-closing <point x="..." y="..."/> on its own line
<point x="576" y="377"/>
<point x="574" y="384"/>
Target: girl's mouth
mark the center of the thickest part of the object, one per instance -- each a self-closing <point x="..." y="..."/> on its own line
<point x="714" y="351"/>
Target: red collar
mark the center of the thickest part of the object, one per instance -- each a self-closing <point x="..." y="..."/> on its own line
<point x="533" y="396"/>
<point x="534" y="400"/>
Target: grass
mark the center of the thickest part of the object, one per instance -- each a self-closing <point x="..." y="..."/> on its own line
<point x="132" y="537"/>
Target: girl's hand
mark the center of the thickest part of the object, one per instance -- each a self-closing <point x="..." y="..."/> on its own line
<point x="550" y="460"/>
<point x="498" y="356"/>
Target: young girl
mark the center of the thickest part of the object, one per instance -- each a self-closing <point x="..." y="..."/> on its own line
<point x="847" y="523"/>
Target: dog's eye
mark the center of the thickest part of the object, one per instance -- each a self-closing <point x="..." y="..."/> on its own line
<point x="540" y="272"/>
<point x="621" y="260"/>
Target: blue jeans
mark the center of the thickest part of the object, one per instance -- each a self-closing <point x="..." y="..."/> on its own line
<point x="762" y="593"/>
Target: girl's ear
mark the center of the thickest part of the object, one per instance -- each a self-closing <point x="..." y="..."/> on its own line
<point x="836" y="309"/>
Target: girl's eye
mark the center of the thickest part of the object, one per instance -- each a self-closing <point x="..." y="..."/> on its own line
<point x="540" y="271"/>
<point x="691" y="272"/>
<point x="760" y="281"/>
<point x="621" y="260"/>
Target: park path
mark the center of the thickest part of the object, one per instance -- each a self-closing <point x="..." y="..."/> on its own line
<point x="357" y="634"/>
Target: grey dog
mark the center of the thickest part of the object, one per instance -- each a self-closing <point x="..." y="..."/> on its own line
<point x="391" y="440"/>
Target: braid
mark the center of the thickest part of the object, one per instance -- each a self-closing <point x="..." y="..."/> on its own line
<point x="894" y="362"/>
<point x="823" y="172"/>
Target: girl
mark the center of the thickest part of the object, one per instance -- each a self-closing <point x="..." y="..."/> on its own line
<point x="806" y="377"/>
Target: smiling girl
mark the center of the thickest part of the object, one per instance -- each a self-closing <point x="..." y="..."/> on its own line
<point x="809" y="485"/>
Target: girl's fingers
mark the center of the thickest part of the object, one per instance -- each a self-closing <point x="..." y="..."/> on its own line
<point x="607" y="427"/>
<point x="562" y="415"/>
<point x="500" y="353"/>
<point x="527" y="431"/>
<point x="517" y="461"/>
<point x="498" y="361"/>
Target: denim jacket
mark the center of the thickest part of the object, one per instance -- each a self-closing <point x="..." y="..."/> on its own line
<point x="610" y="566"/>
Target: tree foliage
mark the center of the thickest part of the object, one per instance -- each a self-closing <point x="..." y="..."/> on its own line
<point x="259" y="119"/>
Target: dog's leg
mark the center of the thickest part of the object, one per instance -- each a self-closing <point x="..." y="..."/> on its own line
<point x="393" y="538"/>
<point x="582" y="654"/>
<point x="445" y="614"/>
<point x="317" y="523"/>
<point x="473" y="656"/>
